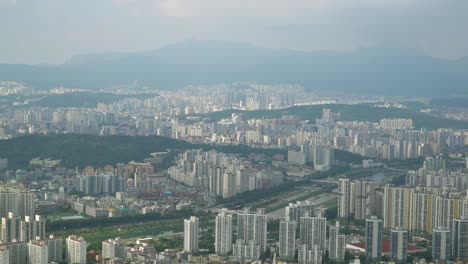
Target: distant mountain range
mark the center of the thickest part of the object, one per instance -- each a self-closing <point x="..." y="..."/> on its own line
<point x="373" y="71"/>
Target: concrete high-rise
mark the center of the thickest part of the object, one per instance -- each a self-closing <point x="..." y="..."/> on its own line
<point x="344" y="198"/>
<point x="374" y="236"/>
<point x="17" y="252"/>
<point x="4" y="255"/>
<point x="223" y="233"/>
<point x="422" y="210"/>
<point x="460" y="238"/>
<point x="55" y="246"/>
<point x="313" y="231"/>
<point x="294" y="211"/>
<point x="20" y="203"/>
<point x="361" y="199"/>
<point x="32" y="228"/>
<point x="309" y="256"/>
<point x="76" y="250"/>
<point x="191" y="229"/>
<point x="38" y="252"/>
<point x="336" y="243"/>
<point x="10" y="228"/>
<point x="441" y="244"/>
<point x="399" y="244"/>
<point x="252" y="227"/>
<point x="446" y="209"/>
<point x="396" y="207"/>
<point x="287" y="240"/>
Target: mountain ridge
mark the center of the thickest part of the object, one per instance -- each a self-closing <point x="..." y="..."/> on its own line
<point x="373" y="71"/>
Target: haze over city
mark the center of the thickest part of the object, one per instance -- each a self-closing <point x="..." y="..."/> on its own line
<point x="220" y="131"/>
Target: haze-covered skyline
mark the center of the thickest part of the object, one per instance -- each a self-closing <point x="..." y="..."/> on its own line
<point x="52" y="31"/>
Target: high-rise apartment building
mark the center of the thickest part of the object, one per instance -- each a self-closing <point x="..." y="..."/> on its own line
<point x="223" y="233"/>
<point x="10" y="229"/>
<point x="38" y="252"/>
<point x="32" y="228"/>
<point x="336" y="243"/>
<point x="460" y="238"/>
<point x="399" y="244"/>
<point x="362" y="199"/>
<point x="55" y="246"/>
<point x="17" y="252"/>
<point x="309" y="256"/>
<point x="76" y="250"/>
<point x="252" y="227"/>
<point x="344" y="198"/>
<point x="191" y="229"/>
<point x="294" y="211"/>
<point x="313" y="231"/>
<point x="287" y="240"/>
<point x="4" y="255"/>
<point x="422" y="210"/>
<point x="441" y="243"/>
<point x="396" y="207"/>
<point x="374" y="236"/>
<point x="18" y="202"/>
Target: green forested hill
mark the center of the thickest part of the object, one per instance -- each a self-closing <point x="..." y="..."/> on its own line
<point x="82" y="150"/>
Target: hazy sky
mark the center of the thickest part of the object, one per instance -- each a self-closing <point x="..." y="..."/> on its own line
<point x="51" y="31"/>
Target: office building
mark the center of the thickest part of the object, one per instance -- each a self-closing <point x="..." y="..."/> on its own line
<point x="223" y="233"/>
<point x="441" y="244"/>
<point x="374" y="236"/>
<point x="191" y="229"/>
<point x="399" y="245"/>
<point x="287" y="240"/>
<point x="336" y="243"/>
<point x="76" y="250"/>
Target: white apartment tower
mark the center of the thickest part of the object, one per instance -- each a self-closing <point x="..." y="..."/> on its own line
<point x="38" y="252"/>
<point x="76" y="250"/>
<point x="287" y="240"/>
<point x="4" y="256"/>
<point x="441" y="244"/>
<point x="374" y="236"/>
<point x="252" y="227"/>
<point x="191" y="235"/>
<point x="223" y="233"/>
<point x="344" y="187"/>
<point x="336" y="243"/>
<point x="398" y="245"/>
<point x="313" y="231"/>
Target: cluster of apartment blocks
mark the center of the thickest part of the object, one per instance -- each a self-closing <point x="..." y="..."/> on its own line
<point x="447" y="244"/>
<point x="105" y="118"/>
<point x="251" y="240"/>
<point x="417" y="210"/>
<point x="220" y="174"/>
<point x="44" y="250"/>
